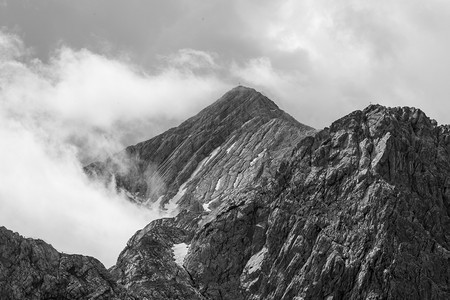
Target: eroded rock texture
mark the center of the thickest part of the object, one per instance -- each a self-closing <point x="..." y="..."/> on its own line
<point x="146" y="267"/>
<point x="32" y="269"/>
<point x="360" y="211"/>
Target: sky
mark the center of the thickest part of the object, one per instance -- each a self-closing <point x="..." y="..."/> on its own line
<point x="82" y="79"/>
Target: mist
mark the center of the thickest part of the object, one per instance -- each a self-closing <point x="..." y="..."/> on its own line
<point x="80" y="106"/>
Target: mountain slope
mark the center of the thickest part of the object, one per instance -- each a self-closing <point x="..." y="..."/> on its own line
<point x="359" y="211"/>
<point x="32" y="269"/>
<point x="227" y="145"/>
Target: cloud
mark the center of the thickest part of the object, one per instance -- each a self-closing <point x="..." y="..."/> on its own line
<point x="329" y="57"/>
<point x="323" y="59"/>
<point x="191" y="59"/>
<point x="99" y="101"/>
<point x="55" y="116"/>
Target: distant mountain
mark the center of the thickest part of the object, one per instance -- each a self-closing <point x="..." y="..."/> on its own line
<point x="267" y="208"/>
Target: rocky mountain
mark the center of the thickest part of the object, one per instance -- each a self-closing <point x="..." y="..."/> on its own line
<point x="358" y="211"/>
<point x="267" y="208"/>
<point x="33" y="269"/>
<point x="226" y="146"/>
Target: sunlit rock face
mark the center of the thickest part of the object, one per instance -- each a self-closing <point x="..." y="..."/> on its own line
<point x="272" y="209"/>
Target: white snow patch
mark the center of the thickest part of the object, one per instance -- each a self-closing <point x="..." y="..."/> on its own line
<point x="206" y="206"/>
<point x="219" y="183"/>
<point x="199" y="167"/>
<point x="237" y="180"/>
<point x="211" y="156"/>
<point x="255" y="262"/>
<point x="171" y="206"/>
<point x="179" y="252"/>
<point x="230" y="148"/>
<point x="247" y="285"/>
<point x="260" y="155"/>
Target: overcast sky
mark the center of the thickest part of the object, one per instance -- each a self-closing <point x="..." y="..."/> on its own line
<point x="92" y="76"/>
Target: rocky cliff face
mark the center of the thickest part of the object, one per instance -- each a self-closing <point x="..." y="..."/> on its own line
<point x="359" y="211"/>
<point x="32" y="269"/>
<point x="270" y="209"/>
<point x="148" y="268"/>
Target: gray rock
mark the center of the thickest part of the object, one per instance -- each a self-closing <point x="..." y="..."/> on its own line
<point x="33" y="269"/>
<point x="147" y="267"/>
<point x="359" y="211"/>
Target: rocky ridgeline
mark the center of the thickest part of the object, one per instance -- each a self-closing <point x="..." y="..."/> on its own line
<point x="359" y="211"/>
<point x="32" y="269"/>
<point x="271" y="209"/>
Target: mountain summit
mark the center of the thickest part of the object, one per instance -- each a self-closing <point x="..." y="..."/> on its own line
<point x="223" y="146"/>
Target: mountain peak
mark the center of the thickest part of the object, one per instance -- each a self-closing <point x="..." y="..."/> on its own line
<point x="242" y="88"/>
<point x="242" y="120"/>
<point x="244" y="97"/>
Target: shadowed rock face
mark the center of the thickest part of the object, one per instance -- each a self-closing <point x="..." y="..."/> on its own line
<point x="146" y="267"/>
<point x="32" y="269"/>
<point x="271" y="209"/>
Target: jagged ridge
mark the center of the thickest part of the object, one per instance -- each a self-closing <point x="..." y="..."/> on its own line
<point x="360" y="211"/>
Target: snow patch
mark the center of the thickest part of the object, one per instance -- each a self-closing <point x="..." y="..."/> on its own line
<point x="171" y="206"/>
<point x="219" y="183"/>
<point x="206" y="206"/>
<point x="230" y="148"/>
<point x="179" y="252"/>
<point x="211" y="156"/>
<point x="199" y="167"/>
<point x="260" y="155"/>
<point x="255" y="262"/>
<point x="237" y="180"/>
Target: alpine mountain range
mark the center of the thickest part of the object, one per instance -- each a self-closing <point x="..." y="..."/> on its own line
<point x="261" y="206"/>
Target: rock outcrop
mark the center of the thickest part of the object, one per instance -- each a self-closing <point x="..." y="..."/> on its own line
<point x="147" y="266"/>
<point x="359" y="211"/>
<point x="33" y="269"/>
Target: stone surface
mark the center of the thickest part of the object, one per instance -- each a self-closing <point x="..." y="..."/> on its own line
<point x="147" y="266"/>
<point x="360" y="211"/>
<point x="33" y="269"/>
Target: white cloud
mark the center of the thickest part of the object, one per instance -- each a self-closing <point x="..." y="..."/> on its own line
<point x="192" y="59"/>
<point x="54" y="116"/>
<point x="323" y="59"/>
